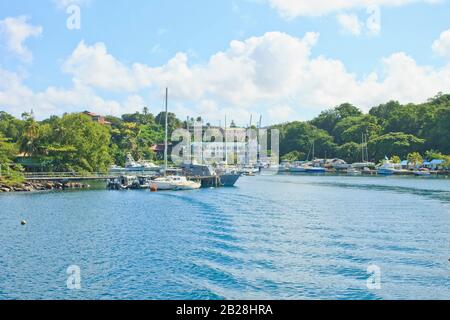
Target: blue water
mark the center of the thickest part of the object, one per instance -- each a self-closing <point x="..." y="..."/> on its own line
<point x="280" y="237"/>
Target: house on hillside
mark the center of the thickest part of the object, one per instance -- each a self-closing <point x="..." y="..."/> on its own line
<point x="97" y="118"/>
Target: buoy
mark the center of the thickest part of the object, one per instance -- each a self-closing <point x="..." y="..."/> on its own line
<point x="23" y="222"/>
<point x="153" y="188"/>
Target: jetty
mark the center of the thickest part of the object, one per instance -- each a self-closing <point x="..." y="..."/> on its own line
<point x="68" y="176"/>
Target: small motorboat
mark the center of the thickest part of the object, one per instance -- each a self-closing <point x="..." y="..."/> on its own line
<point x="174" y="183"/>
<point x="422" y="172"/>
<point x="315" y="170"/>
<point x="353" y="172"/>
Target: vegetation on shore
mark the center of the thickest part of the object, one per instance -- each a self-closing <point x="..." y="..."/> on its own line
<point x="391" y="130"/>
<point x="74" y="142"/>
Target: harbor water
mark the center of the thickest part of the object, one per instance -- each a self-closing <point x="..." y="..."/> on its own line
<point x="270" y="237"/>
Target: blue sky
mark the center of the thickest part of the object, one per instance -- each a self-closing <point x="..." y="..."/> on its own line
<point x="300" y="59"/>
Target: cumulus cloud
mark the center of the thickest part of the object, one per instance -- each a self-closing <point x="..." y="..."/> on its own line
<point x="442" y="45"/>
<point x="15" y="98"/>
<point x="350" y="23"/>
<point x="295" y="8"/>
<point x="275" y="74"/>
<point x="15" y="32"/>
<point x="94" y="66"/>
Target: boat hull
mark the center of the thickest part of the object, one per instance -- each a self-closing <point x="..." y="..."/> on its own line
<point x="316" y="170"/>
<point x="229" y="179"/>
<point x="297" y="170"/>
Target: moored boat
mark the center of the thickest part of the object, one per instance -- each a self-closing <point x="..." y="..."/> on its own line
<point x="174" y="183"/>
<point x="422" y="172"/>
<point x="315" y="170"/>
<point x="353" y="172"/>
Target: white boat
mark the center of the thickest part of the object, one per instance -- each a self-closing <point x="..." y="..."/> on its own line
<point x="297" y="169"/>
<point x="388" y="168"/>
<point x="174" y="183"/>
<point x="132" y="166"/>
<point x="422" y="172"/>
<point x="315" y="169"/>
<point x="353" y="172"/>
<point x="171" y="182"/>
<point x="249" y="170"/>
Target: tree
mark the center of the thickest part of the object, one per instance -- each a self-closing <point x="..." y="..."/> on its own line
<point x="8" y="150"/>
<point x="299" y="136"/>
<point x="30" y="136"/>
<point x="350" y="152"/>
<point x="328" y="120"/>
<point x="76" y="143"/>
<point x="383" y="111"/>
<point x="415" y="159"/>
<point x="10" y="127"/>
<point x="10" y="173"/>
<point x="396" y="159"/>
<point x="352" y="129"/>
<point x="293" y="156"/>
<point x="397" y="143"/>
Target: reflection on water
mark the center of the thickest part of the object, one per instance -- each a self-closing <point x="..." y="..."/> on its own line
<point x="281" y="237"/>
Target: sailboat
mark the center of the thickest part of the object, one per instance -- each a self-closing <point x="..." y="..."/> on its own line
<point x="171" y="182"/>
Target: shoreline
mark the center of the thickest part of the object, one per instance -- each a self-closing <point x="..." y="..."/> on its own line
<point x="41" y="186"/>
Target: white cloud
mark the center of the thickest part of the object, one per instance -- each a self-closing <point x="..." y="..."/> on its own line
<point x="275" y="75"/>
<point x="15" y="98"/>
<point x="294" y="8"/>
<point x="94" y="66"/>
<point x="442" y="45"/>
<point x="15" y="32"/>
<point x="280" y="114"/>
<point x="350" y="23"/>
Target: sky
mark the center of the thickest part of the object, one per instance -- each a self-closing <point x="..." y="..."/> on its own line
<point x="285" y="60"/>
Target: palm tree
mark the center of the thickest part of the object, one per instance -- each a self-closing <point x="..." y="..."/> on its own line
<point x="30" y="136"/>
<point x="415" y="159"/>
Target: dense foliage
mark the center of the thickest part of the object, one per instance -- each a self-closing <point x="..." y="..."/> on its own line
<point x="74" y="142"/>
<point x="390" y="129"/>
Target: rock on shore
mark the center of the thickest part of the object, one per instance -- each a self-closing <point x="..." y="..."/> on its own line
<point x="42" y="186"/>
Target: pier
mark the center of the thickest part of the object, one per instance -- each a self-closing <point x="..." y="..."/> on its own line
<point x="68" y="176"/>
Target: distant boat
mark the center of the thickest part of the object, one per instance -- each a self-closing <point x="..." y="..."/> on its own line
<point x="422" y="172"/>
<point x="174" y="183"/>
<point x="171" y="182"/>
<point x="315" y="170"/>
<point x="297" y="169"/>
<point x="227" y="177"/>
<point x="388" y="168"/>
<point x="132" y="166"/>
<point x="353" y="172"/>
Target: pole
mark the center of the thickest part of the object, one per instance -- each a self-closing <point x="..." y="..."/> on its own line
<point x="166" y="134"/>
<point x="226" y="143"/>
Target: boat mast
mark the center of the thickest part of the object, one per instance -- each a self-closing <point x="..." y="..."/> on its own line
<point x="367" y="149"/>
<point x="166" y="134"/>
<point x="226" y="143"/>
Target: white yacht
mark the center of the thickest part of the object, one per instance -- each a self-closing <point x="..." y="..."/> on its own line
<point x="353" y="172"/>
<point x="174" y="183"/>
<point x="388" y="168"/>
<point x="171" y="182"/>
<point x="135" y="166"/>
